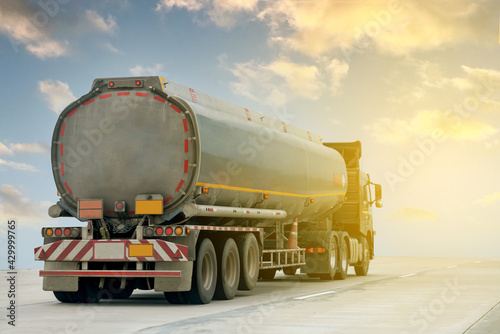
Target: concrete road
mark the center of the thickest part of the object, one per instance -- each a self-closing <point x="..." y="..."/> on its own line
<point x="400" y="295"/>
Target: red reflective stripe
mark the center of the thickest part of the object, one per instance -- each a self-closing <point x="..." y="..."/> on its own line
<point x="104" y="96"/>
<point x="193" y="95"/>
<point x="159" y="99"/>
<point x="62" y="169"/>
<point x="62" y="151"/>
<point x="112" y="273"/>
<point x="131" y="212"/>
<point x="179" y="186"/>
<point x="156" y="256"/>
<point x="72" y="113"/>
<point x="83" y="252"/>
<point x="248" y="114"/>
<point x="51" y="249"/>
<point x="111" y="212"/>
<point x="186" y="145"/>
<point x="186" y="165"/>
<point x="67" y="187"/>
<point x="67" y="250"/>
<point x="141" y="94"/>
<point x="88" y="102"/>
<point x="169" y="198"/>
<point x="185" y="123"/>
<point x="123" y="93"/>
<point x="62" y="130"/>
<point x="175" y="108"/>
<point x="184" y="250"/>
<point x="167" y="250"/>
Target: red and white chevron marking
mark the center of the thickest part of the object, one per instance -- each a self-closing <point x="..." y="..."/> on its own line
<point x="109" y="250"/>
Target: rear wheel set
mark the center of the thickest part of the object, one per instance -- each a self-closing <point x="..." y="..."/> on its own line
<point x="220" y="271"/>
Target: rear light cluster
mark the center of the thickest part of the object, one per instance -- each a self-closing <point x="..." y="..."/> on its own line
<point x="175" y="231"/>
<point x="61" y="232"/>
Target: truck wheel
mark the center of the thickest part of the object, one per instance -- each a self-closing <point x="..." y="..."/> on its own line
<point x="362" y="269"/>
<point x="204" y="274"/>
<point x="177" y="298"/>
<point x="290" y="270"/>
<point x="249" y="261"/>
<point x="112" y="289"/>
<point x="331" y="248"/>
<point x="88" y="291"/>
<point x="64" y="297"/>
<point x="343" y="263"/>
<point x="228" y="274"/>
<point x="267" y="274"/>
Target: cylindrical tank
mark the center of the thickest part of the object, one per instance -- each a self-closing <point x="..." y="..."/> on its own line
<point x="133" y="136"/>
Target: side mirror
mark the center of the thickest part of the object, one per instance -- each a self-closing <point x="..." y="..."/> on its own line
<point x="379" y="203"/>
<point x="378" y="193"/>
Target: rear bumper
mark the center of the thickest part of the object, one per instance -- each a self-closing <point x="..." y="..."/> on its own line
<point x="110" y="273"/>
<point x="121" y="250"/>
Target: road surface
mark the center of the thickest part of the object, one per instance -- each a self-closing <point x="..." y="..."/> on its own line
<point x="400" y="295"/>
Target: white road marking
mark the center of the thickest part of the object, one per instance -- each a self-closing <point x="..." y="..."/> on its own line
<point x="477" y="262"/>
<point x="454" y="266"/>
<point x="408" y="275"/>
<point x="316" y="294"/>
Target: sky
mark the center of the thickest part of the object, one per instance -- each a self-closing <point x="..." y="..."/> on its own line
<point x="417" y="82"/>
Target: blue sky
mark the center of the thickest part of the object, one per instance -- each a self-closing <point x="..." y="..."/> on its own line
<point x="417" y="82"/>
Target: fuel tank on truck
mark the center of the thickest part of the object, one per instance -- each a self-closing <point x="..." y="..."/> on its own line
<point x="146" y="135"/>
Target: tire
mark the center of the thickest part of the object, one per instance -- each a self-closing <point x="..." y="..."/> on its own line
<point x="249" y="261"/>
<point x="331" y="249"/>
<point x="204" y="278"/>
<point x="88" y="291"/>
<point x="112" y="289"/>
<point x="290" y="271"/>
<point x="267" y="274"/>
<point x="362" y="269"/>
<point x="177" y="298"/>
<point x="343" y="264"/>
<point x="228" y="270"/>
<point x="64" y="297"/>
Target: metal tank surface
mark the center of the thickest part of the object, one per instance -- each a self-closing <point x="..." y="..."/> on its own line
<point x="136" y="136"/>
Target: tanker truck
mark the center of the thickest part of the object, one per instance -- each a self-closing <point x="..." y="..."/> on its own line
<point x="182" y="193"/>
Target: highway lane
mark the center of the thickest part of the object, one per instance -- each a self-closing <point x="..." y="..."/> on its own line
<point x="400" y="295"/>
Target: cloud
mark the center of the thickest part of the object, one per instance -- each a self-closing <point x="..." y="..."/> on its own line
<point x="26" y="25"/>
<point x="430" y="123"/>
<point x="18" y="165"/>
<point x="98" y="23"/>
<point x="223" y="13"/>
<point x="301" y="79"/>
<point x="413" y="214"/>
<point x="394" y="27"/>
<point x="57" y="94"/>
<point x="5" y="150"/>
<point x="24" y="148"/>
<point x="495" y="197"/>
<point x="390" y="131"/>
<point x="13" y="204"/>
<point x="109" y="47"/>
<point x="276" y="83"/>
<point x="148" y="70"/>
<point x="30" y="148"/>
<point x="338" y="70"/>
